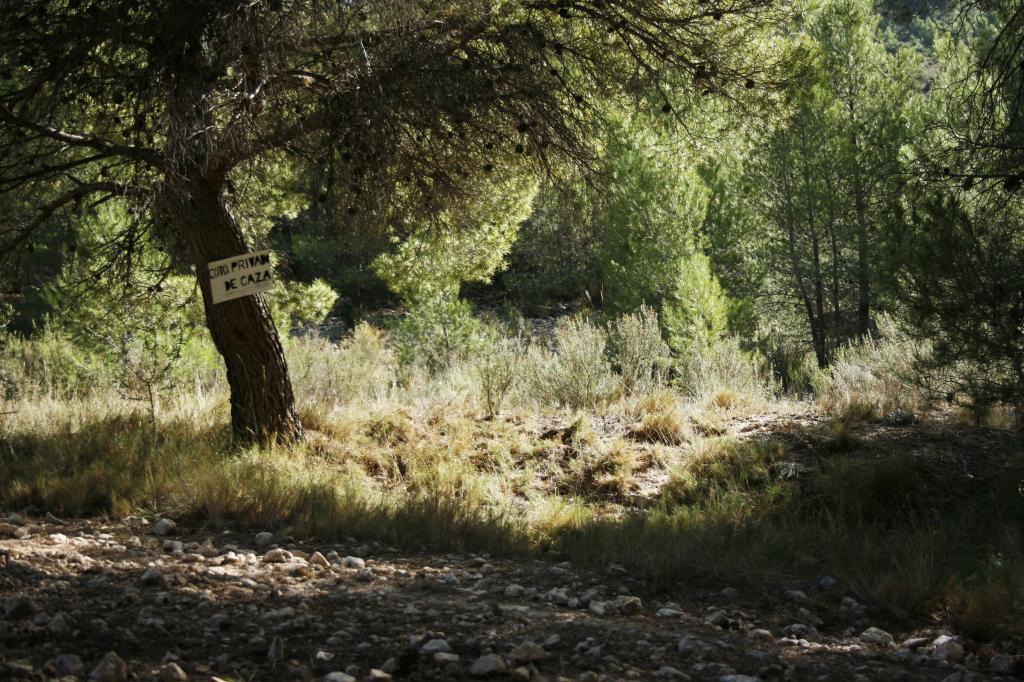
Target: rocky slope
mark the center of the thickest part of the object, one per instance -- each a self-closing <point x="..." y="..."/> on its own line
<point x="113" y="601"/>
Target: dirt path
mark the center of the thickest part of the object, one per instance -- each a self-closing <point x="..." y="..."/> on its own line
<point x="191" y="605"/>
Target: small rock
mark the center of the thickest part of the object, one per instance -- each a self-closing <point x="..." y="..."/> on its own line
<point x="277" y="556"/>
<point x="527" y="652"/>
<point x="378" y="674"/>
<point x="110" y="669"/>
<point x="152" y="578"/>
<point x="736" y="677"/>
<point x="68" y="665"/>
<point x="59" y="625"/>
<point x="629" y="605"/>
<point x="445" y="657"/>
<point x="598" y="608"/>
<point x="716" y="617"/>
<point x="666" y="612"/>
<point x="353" y="562"/>
<point x="692" y="646"/>
<point x="558" y="595"/>
<point x="9" y="530"/>
<point x="914" y="643"/>
<point x="521" y="673"/>
<point x="513" y="591"/>
<point x="263" y="540"/>
<point x="795" y="595"/>
<point x="1001" y="663"/>
<point x="489" y="664"/>
<point x="165" y="527"/>
<point x="670" y="673"/>
<point x="435" y="646"/>
<point x="19" y="607"/>
<point x="876" y="636"/>
<point x="338" y="676"/>
<point x="825" y="583"/>
<point x="800" y="631"/>
<point x="56" y="539"/>
<point x="172" y="672"/>
<point x="730" y="592"/>
<point x="319" y="560"/>
<point x="809" y="617"/>
<point x="946" y="648"/>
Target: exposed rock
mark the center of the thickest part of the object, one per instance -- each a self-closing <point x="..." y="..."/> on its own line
<point x="876" y="636"/>
<point x="152" y="578"/>
<point x="277" y="556"/>
<point x="165" y="527"/>
<point x="527" y="652"/>
<point x="319" y="560"/>
<point x="795" y="595"/>
<point x="68" y="665"/>
<point x="435" y="646"/>
<point x="263" y="540"/>
<point x="489" y="664"/>
<point x="353" y="562"/>
<point x="59" y="625"/>
<point x="379" y="675"/>
<point x="693" y="646"/>
<point x="914" y="642"/>
<point x="513" y="591"/>
<point x="947" y="648"/>
<point x="110" y="669"/>
<point x="629" y="605"/>
<point x="9" y="530"/>
<point x="670" y="673"/>
<point x="18" y="608"/>
<point x="716" y="617"/>
<point x="172" y="672"/>
<point x="338" y="676"/>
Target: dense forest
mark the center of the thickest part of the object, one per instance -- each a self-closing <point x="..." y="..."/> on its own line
<point x="715" y="296"/>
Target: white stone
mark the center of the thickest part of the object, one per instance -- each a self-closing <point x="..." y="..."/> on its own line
<point x="165" y="527"/>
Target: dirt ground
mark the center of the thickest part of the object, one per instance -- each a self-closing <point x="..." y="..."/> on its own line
<point x="117" y="600"/>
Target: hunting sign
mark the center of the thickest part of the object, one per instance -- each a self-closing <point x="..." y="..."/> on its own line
<point x="240" y="276"/>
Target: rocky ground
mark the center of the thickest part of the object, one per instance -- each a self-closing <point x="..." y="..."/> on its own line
<point x="113" y="601"/>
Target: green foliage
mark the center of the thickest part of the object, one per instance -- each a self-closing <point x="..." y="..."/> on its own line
<point x="650" y="214"/>
<point x="500" y="370"/>
<point x="361" y="367"/>
<point x="575" y="371"/>
<point x="299" y="305"/>
<point x="962" y="283"/>
<point x="641" y="356"/>
<point x="555" y="257"/>
<point x="466" y="242"/>
<point x="437" y="333"/>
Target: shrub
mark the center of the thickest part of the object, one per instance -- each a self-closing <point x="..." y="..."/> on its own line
<point x="875" y="378"/>
<point x="438" y="333"/>
<point x="499" y="370"/>
<point x="640" y="354"/>
<point x="361" y="367"/>
<point x="294" y="304"/>
<point x="575" y="372"/>
<point x="726" y="375"/>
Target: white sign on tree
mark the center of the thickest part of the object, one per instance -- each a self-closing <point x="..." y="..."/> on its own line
<point x="240" y="276"/>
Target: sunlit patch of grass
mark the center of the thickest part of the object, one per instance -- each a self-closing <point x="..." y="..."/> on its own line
<point x="881" y="522"/>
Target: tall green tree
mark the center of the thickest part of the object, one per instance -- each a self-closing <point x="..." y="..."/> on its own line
<point x="167" y="105"/>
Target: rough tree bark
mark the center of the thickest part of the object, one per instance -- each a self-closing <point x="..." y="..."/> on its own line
<point x="262" y="401"/>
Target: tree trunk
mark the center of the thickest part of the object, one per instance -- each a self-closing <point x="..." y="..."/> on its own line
<point x="262" y="401"/>
<point x="863" y="261"/>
